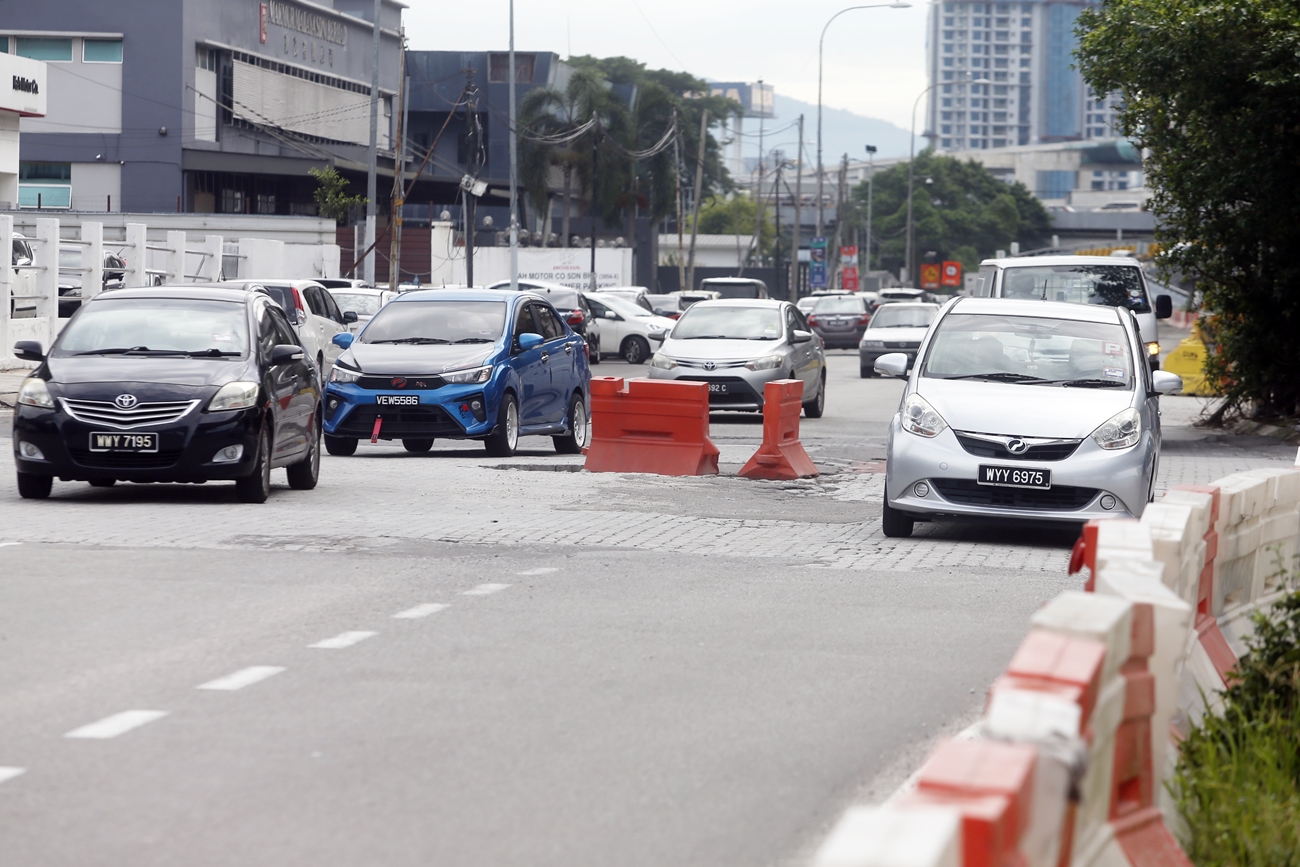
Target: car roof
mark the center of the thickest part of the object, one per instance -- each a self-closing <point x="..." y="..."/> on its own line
<point x="460" y="295"/>
<point x="542" y="284"/>
<point x="275" y="281"/>
<point x="1044" y="309"/>
<point x="1032" y="261"/>
<point x="740" y="302"/>
<point x="192" y="291"/>
<point x="731" y="280"/>
<point x="904" y="305"/>
<point x="360" y="290"/>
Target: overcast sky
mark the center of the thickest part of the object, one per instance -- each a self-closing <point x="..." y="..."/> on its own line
<point x="875" y="58"/>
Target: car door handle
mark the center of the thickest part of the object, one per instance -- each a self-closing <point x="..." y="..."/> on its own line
<point x="568" y="349"/>
<point x="545" y="357"/>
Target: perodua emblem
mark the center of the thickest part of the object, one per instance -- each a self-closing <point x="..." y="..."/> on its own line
<point x="1017" y="447"/>
<point x="125" y="401"/>
<point x="709" y="365"/>
<point x="399" y="382"/>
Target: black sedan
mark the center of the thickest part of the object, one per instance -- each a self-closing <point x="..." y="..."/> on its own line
<point x="170" y="384"/>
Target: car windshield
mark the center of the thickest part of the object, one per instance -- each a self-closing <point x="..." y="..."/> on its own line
<point x="156" y="326"/>
<point x="362" y="305"/>
<point x="733" y="290"/>
<point x="899" y="316"/>
<point x="561" y="299"/>
<point x="423" y="322"/>
<point x="1111" y="285"/>
<point x="1030" y="350"/>
<point x="839" y="304"/>
<point x="729" y="323"/>
<point x="624" y="307"/>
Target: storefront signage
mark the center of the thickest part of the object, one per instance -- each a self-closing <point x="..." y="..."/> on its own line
<point x="303" y="21"/>
<point x="26" y="85"/>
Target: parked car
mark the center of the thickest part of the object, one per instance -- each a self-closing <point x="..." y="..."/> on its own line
<point x="1024" y="410"/>
<point x="627" y="329"/>
<point x="71" y="278"/>
<point x="637" y="295"/>
<point x="362" y="301"/>
<point x="892" y="296"/>
<point x="668" y="305"/>
<point x="22" y="298"/>
<point x="191" y="383"/>
<point x="460" y="364"/>
<point x="572" y="306"/>
<point x="894" y="328"/>
<point x="333" y="283"/>
<point x="312" y="311"/>
<point x="739" y="345"/>
<point x="686" y="299"/>
<point x="840" y="320"/>
<point x="735" y="287"/>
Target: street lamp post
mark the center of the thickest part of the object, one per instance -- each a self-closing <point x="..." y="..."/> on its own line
<point x="821" y="44"/>
<point x="871" y="177"/>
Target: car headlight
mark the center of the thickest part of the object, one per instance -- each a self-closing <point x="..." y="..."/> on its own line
<point x="1153" y="349"/>
<point x="34" y="392"/>
<point x="343" y="375"/>
<point x="873" y="344"/>
<point x="460" y="377"/>
<point x="1122" y="431"/>
<point x="920" y="418"/>
<point x="770" y="362"/>
<point x="234" y="395"/>
<point x="663" y="362"/>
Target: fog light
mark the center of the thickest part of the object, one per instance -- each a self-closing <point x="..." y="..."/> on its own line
<point x="332" y="404"/>
<point x="228" y="455"/>
<point x="31" y="452"/>
<point x="1107" y="502"/>
<point x="477" y="407"/>
<point x="921" y="489"/>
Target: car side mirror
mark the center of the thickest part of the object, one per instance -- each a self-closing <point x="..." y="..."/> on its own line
<point x="1164" y="307"/>
<point x="349" y="316"/>
<point x="801" y="337"/>
<point x="657" y="336"/>
<point x="1164" y="382"/>
<point x="29" y="350"/>
<point x="530" y="341"/>
<point x="610" y="314"/>
<point x="285" y="353"/>
<point x="892" y="364"/>
<point x="344" y="340"/>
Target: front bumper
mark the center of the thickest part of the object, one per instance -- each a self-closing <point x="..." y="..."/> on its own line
<point x="743" y="387"/>
<point x="1078" y="482"/>
<point x="442" y="413"/>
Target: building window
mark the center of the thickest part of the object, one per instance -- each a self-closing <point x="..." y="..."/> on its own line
<point x="232" y="201"/>
<point x="1000" y="63"/>
<point x="947" y="22"/>
<point x="206" y="58"/>
<point x="1055" y="184"/>
<point x="947" y="61"/>
<point x="999" y="142"/>
<point x="499" y="68"/>
<point x="947" y="142"/>
<point x="947" y="48"/>
<point x="101" y="51"/>
<point x="4" y="44"/>
<point x="44" y="185"/>
<point x="265" y="203"/>
<point x="42" y="48"/>
<point x="946" y="129"/>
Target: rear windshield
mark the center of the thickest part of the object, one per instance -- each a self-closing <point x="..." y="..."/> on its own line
<point x="733" y="290"/>
<point x="156" y="326"/>
<point x="362" y="305"/>
<point x="896" y="316"/>
<point x="840" y="304"/>
<point x="283" y="296"/>
<point x="561" y="299"/>
<point x="1110" y="285"/>
<point x="427" y="322"/>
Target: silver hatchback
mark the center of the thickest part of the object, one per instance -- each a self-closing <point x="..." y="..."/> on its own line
<point x="738" y="346"/>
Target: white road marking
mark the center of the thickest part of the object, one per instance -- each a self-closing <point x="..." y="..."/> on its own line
<point x="117" y="724"/>
<point x="242" y="678"/>
<point x="546" y="570"/>
<point x="486" y="589"/>
<point x="10" y="773"/>
<point x="342" y="640"/>
<point x="7" y="544"/>
<point x="419" y="611"/>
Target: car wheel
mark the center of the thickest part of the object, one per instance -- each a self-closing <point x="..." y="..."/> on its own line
<point x="593" y="351"/>
<point x="34" y="487"/>
<point x="636" y="350"/>
<point x="896" y="524"/>
<point x="320" y="364"/>
<point x="417" y="447"/>
<point x="304" y="475"/>
<point x="103" y="483"/>
<point x="340" y="447"/>
<point x="504" y="439"/>
<point x="575" y="440"/>
<point x="256" y="486"/>
<point x="866" y="372"/>
<point x="815" y="407"/>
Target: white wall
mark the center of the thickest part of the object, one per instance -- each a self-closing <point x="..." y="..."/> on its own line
<point x="205" y="106"/>
<point x="569" y="267"/>
<point x="94" y="183"/>
<point x="8" y="159"/>
<point x="83" y="97"/>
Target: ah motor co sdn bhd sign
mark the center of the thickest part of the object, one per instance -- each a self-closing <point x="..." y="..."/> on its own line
<point x="22" y="86"/>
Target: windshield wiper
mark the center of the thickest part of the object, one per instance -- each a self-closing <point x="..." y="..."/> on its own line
<point x="708" y="337"/>
<point x="212" y="353"/>
<point x="1001" y="377"/>
<point x="419" y="341"/>
<point x="129" y="350"/>
<point x="1085" y="383"/>
<point x="476" y="340"/>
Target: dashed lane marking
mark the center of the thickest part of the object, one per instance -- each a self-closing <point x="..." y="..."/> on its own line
<point x="342" y="640"/>
<point x="117" y="724"/>
<point x="486" y="589"/>
<point x="546" y="570"/>
<point x="7" y="544"/>
<point x="242" y="678"/>
<point x="10" y="773"/>
<point x="419" y="611"/>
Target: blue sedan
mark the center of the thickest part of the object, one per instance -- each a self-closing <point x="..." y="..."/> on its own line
<point x="460" y="364"/>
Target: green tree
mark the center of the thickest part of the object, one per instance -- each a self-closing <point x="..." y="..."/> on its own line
<point x="1212" y="89"/>
<point x="736" y="216"/>
<point x="330" y="195"/>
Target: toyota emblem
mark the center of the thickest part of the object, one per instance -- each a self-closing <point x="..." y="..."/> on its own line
<point x="399" y="382"/>
<point x="1017" y="446"/>
<point x="709" y="365"/>
<point x="125" y="401"/>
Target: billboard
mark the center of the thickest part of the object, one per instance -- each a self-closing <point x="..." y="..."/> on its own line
<point x="849" y="269"/>
<point x="951" y="274"/>
<point x="931" y="273"/>
<point x="817" y="278"/>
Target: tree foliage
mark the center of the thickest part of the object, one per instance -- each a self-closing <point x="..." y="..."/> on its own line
<point x="1212" y="89"/>
<point x="737" y="216"/>
<point x="331" y="198"/>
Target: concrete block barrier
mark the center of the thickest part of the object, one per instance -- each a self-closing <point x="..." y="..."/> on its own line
<point x="650" y="426"/>
<point x="781" y="456"/>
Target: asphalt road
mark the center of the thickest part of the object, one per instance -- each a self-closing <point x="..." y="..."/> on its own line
<point x="628" y="670"/>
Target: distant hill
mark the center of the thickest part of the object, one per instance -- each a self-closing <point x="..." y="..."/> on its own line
<point x="843" y="132"/>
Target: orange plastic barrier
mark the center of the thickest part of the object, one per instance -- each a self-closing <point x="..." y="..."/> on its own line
<point x="781" y="456"/>
<point x="650" y="426"/>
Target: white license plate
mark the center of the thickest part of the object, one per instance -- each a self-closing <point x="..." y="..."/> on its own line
<point x="397" y="399"/>
<point x="1015" y="477"/>
<point x="133" y="443"/>
<point x="718" y="388"/>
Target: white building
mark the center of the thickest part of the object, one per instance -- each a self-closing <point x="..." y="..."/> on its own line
<point x="23" y="87"/>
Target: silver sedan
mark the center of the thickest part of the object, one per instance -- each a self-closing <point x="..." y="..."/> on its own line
<point x="1024" y="410"/>
<point x="738" y="346"/>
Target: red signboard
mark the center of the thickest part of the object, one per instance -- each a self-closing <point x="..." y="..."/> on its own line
<point x="951" y="274"/>
<point x="849" y="269"/>
<point x="930" y="275"/>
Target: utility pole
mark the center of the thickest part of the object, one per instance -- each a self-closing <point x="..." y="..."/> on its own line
<point x="871" y="179"/>
<point x="839" y="216"/>
<point x="758" y="198"/>
<point x="595" y="203"/>
<point x="399" y="161"/>
<point x="470" y="209"/>
<point x="514" y="163"/>
<point x="798" y="213"/>
<point x="677" y="170"/>
<point x="372" y="174"/>
<point x="776" y="248"/>
<point x="695" y="205"/>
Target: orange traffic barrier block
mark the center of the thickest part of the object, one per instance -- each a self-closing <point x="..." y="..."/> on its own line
<point x="650" y="426"/>
<point x="781" y="456"/>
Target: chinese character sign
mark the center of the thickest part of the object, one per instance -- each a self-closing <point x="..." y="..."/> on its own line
<point x="817" y="263"/>
<point x="849" y="269"/>
<point x="930" y="275"/>
<point x="951" y="274"/>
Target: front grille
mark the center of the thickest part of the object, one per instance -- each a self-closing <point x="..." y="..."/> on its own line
<point x="968" y="492"/>
<point x="988" y="449"/>
<point x="126" y="461"/>
<point x="717" y="365"/>
<point x="107" y="413"/>
<point x="386" y="383"/>
<point x="400" y="421"/>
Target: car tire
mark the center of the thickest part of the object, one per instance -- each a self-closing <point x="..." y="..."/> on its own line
<point x="504" y="439"/>
<point x="815" y="407"/>
<point x="895" y="524"/>
<point x="575" y="440"/>
<point x="417" y="447"/>
<point x="636" y="350"/>
<point x="593" y="352"/>
<point x="304" y="475"/>
<point x="34" y="487"/>
<point x="866" y="372"/>
<point x="103" y="483"/>
<point x="256" y="486"/>
<point x="341" y="447"/>
<point x="320" y="364"/>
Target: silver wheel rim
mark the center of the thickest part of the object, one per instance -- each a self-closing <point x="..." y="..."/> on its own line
<point x="315" y="455"/>
<point x="512" y="425"/>
<point x="821" y="395"/>
<point x="580" y="423"/>
<point x="266" y="465"/>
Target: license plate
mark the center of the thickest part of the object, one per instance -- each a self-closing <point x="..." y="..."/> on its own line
<point x="1015" y="477"/>
<point x="398" y="399"/>
<point x="124" y="442"/>
<point x="718" y="387"/>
